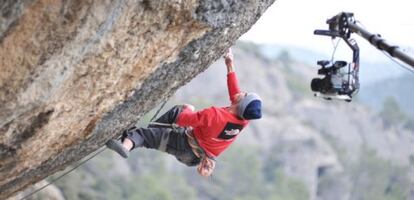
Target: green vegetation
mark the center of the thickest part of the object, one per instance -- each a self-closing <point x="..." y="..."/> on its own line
<point x="392" y="114"/>
<point x="146" y="181"/>
<point x="295" y="81"/>
<point x="297" y="85"/>
<point x="367" y="177"/>
<point x="374" y="178"/>
<point x="240" y="174"/>
<point x="370" y="177"/>
<point x="286" y="59"/>
<point x="282" y="186"/>
<point x="287" y="188"/>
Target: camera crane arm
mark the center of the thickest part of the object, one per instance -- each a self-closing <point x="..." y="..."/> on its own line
<point x="343" y="24"/>
<point x="337" y="85"/>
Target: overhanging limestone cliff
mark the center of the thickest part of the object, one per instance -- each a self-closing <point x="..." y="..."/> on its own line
<point x="74" y="73"/>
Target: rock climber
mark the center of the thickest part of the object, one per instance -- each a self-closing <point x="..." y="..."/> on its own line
<point x="196" y="138"/>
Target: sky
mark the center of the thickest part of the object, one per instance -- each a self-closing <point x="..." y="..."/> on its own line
<point x="292" y="22"/>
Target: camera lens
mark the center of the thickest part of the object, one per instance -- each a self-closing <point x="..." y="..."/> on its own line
<point x="316" y="84"/>
<point x="323" y="85"/>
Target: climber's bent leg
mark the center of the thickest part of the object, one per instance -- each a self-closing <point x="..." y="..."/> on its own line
<point x="167" y="140"/>
<point x="170" y="116"/>
<point x="145" y="137"/>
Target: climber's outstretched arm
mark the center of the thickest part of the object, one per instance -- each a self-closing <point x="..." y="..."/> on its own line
<point x="228" y="59"/>
<point x="232" y="82"/>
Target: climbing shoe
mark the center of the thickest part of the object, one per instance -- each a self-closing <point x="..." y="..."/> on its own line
<point x="117" y="146"/>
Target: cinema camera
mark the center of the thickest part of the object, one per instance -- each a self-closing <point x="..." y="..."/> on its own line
<point x="340" y="79"/>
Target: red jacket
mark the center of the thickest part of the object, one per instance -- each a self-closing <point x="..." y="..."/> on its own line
<point x="215" y="128"/>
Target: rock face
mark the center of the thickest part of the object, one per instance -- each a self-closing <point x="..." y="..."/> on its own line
<point x="75" y="73"/>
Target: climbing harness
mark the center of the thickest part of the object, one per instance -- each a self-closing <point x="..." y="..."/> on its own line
<point x="207" y="163"/>
<point x="198" y="151"/>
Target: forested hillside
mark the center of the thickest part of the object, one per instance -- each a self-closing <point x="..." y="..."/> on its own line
<point x="399" y="89"/>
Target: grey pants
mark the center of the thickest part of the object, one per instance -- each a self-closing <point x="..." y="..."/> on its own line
<point x="172" y="141"/>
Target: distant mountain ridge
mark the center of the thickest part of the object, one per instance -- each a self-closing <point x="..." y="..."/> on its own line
<point x="400" y="88"/>
<point x="370" y="72"/>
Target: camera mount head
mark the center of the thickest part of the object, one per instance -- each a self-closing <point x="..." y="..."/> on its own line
<point x="337" y="84"/>
<point x="343" y="25"/>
